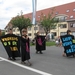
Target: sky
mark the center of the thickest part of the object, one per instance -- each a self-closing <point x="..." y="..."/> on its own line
<point x="12" y="8"/>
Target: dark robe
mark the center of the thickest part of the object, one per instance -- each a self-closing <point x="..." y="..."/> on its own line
<point x="40" y="43"/>
<point x="11" y="44"/>
<point x="25" y="49"/>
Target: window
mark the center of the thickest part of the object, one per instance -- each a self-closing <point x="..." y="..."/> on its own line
<point x="54" y="33"/>
<point x="29" y="34"/>
<point x="35" y="34"/>
<point x="63" y="33"/>
<point x="62" y="19"/>
<point x="56" y="13"/>
<point x="67" y="10"/>
<point x="73" y="33"/>
<point x="74" y="9"/>
<point x="63" y="25"/>
<point x="29" y="28"/>
<point x="72" y="24"/>
<point x="35" y="28"/>
<point x="71" y="16"/>
<point x="56" y="19"/>
<point x="38" y="16"/>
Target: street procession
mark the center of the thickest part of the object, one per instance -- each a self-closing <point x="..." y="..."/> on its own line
<point x="37" y="37"/>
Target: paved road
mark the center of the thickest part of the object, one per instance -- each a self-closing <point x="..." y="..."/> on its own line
<point x="50" y="62"/>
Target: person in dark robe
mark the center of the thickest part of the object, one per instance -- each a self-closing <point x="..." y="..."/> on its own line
<point x="38" y="43"/>
<point x="10" y="32"/>
<point x="68" y="33"/>
<point x="25" y="48"/>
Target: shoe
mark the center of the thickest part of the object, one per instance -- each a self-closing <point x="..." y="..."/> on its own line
<point x="64" y="54"/>
<point x="13" y="59"/>
<point x="73" y="55"/>
<point x="29" y="64"/>
<point x="36" y="52"/>
<point x="41" y="53"/>
<point x="22" y="62"/>
<point x="9" y="58"/>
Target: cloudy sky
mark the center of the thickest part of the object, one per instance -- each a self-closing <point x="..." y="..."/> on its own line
<point x="11" y="8"/>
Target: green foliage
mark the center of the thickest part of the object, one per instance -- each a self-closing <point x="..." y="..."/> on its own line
<point x="21" y="22"/>
<point x="50" y="43"/>
<point x="3" y="33"/>
<point x="48" y="22"/>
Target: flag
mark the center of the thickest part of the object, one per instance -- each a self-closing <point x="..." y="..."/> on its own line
<point x="40" y="43"/>
<point x="11" y="43"/>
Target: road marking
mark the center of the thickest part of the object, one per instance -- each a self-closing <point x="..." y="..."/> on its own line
<point x="26" y="67"/>
<point x="1" y="60"/>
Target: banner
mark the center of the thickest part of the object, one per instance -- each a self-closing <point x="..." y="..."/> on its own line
<point x="68" y="43"/>
<point x="40" y="43"/>
<point x="11" y="43"/>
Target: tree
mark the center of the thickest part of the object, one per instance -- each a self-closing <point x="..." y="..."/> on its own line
<point x="0" y="32"/>
<point x="48" y="22"/>
<point x="21" y="22"/>
<point x="3" y="33"/>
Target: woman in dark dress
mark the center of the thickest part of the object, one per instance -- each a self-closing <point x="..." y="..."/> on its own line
<point x="38" y="43"/>
<point x="25" y="48"/>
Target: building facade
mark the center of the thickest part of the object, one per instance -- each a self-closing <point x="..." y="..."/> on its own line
<point x="71" y="26"/>
<point x="66" y="15"/>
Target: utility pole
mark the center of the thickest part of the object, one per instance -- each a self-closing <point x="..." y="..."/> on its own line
<point x="34" y="2"/>
<point x="21" y="12"/>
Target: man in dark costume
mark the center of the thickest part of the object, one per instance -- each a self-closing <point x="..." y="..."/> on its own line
<point x="25" y="48"/>
<point x="40" y="43"/>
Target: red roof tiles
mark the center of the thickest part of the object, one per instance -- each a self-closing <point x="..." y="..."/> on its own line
<point x="66" y="9"/>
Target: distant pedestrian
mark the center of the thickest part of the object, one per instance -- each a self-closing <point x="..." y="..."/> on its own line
<point x="10" y="32"/>
<point x="58" y="41"/>
<point x="40" y="43"/>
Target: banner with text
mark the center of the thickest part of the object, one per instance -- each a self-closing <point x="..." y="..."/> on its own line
<point x="68" y="43"/>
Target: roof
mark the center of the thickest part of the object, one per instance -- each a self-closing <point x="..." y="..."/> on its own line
<point x="66" y="9"/>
